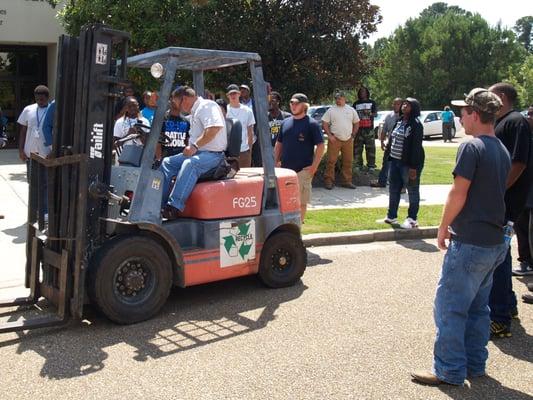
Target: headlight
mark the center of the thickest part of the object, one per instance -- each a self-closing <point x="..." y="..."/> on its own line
<point x="157" y="70"/>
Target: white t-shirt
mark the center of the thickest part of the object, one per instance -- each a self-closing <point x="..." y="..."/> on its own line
<point x="341" y="120"/>
<point x="123" y="125"/>
<point x="33" y="117"/>
<point x="246" y="116"/>
<point x="206" y="114"/>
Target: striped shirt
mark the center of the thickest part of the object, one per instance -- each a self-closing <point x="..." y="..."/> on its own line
<point x="397" y="137"/>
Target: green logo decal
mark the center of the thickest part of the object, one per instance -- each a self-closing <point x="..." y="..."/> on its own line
<point x="239" y="241"/>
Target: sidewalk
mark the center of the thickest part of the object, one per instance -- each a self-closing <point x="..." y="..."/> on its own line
<point x="365" y="196"/>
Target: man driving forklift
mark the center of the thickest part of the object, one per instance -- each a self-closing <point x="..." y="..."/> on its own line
<point x="205" y="151"/>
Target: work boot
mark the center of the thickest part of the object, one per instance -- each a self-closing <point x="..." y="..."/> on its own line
<point x="427" y="378"/>
<point x="170" y="212"/>
<point x="348" y="185"/>
<point x="376" y="184"/>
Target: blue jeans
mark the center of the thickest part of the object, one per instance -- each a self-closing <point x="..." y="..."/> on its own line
<point x="187" y="170"/>
<point x="461" y="311"/>
<point x="502" y="297"/>
<point x="384" y="173"/>
<point x="399" y="178"/>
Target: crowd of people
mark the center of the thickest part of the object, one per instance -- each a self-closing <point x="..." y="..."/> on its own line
<point x="491" y="196"/>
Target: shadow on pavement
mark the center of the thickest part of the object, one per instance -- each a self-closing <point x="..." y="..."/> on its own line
<point x="18" y="233"/>
<point x="193" y="317"/>
<point x="18" y="176"/>
<point x="314" y="259"/>
<point x="486" y="388"/>
<point x="419" y="244"/>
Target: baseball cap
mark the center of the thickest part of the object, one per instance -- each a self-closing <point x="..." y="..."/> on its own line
<point x="339" y="93"/>
<point x="480" y="99"/>
<point x="300" y="98"/>
<point x="232" y="89"/>
<point x="245" y="87"/>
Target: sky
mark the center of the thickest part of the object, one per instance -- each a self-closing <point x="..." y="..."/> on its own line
<point x="396" y="13"/>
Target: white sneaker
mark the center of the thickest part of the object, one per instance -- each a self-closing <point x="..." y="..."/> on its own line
<point x="409" y="223"/>
<point x="523" y="269"/>
<point x="387" y="220"/>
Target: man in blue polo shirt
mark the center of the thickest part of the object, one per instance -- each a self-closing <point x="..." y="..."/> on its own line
<point x="295" y="147"/>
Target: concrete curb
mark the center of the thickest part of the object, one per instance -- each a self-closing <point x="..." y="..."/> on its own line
<point x="356" y="237"/>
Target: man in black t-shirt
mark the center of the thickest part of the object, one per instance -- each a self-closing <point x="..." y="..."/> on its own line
<point x="513" y="130"/>
<point x="367" y="111"/>
<point x="275" y="116"/>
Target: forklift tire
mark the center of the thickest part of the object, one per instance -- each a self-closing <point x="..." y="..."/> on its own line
<point x="283" y="260"/>
<point x="130" y="279"/>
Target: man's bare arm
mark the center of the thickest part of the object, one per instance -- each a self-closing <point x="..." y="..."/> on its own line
<point x="453" y="206"/>
<point x="22" y="142"/>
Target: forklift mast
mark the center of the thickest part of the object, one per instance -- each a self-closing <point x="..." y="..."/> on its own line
<point x="77" y="175"/>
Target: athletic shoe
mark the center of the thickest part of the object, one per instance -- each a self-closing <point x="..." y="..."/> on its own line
<point x="514" y="313"/>
<point x="409" y="223"/>
<point x="528" y="298"/>
<point x="328" y="186"/>
<point x="499" y="330"/>
<point x="387" y="220"/>
<point x="523" y="269"/>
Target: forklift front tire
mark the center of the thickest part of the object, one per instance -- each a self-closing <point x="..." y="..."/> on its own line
<point x="130" y="279"/>
<point x="283" y="260"/>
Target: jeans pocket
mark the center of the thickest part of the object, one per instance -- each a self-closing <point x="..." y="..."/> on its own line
<point x="481" y="260"/>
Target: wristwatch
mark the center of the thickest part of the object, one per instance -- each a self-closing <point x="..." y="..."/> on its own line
<point x="195" y="146"/>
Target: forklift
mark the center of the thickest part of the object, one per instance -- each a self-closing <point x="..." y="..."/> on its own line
<point x="104" y="242"/>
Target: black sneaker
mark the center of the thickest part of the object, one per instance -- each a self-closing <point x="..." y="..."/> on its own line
<point x="499" y="330"/>
<point x="528" y="298"/>
<point x="514" y="313"/>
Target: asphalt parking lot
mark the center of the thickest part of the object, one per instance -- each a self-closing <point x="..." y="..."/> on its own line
<point x="358" y="322"/>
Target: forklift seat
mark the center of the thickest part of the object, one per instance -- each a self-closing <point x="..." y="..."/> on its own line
<point x="229" y="166"/>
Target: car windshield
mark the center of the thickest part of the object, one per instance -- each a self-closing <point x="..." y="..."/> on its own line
<point x="316" y="112"/>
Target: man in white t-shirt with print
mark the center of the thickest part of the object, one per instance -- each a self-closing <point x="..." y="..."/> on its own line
<point x="207" y="142"/>
<point x="245" y="115"/>
<point x="31" y="121"/>
<point x="32" y="140"/>
<point x="340" y="122"/>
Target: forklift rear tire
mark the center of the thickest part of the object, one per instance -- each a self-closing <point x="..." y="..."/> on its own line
<point x="283" y="260"/>
<point x="130" y="279"/>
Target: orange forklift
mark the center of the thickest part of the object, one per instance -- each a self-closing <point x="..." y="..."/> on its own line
<point x="104" y="241"/>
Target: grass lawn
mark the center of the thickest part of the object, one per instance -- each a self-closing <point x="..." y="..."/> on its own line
<point x="356" y="219"/>
<point x="437" y="170"/>
<point x="438" y="166"/>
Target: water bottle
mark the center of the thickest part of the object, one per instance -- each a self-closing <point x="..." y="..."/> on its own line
<point x="508" y="232"/>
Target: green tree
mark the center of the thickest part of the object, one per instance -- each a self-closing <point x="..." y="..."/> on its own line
<point x="442" y="54"/>
<point x="524" y="30"/>
<point x="522" y="80"/>
<point x="312" y="46"/>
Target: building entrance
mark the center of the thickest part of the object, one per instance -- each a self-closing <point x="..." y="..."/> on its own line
<point x="22" y="68"/>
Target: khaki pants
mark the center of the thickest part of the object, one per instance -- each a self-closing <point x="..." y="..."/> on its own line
<point x="305" y="181"/>
<point x="245" y="159"/>
<point x="346" y="150"/>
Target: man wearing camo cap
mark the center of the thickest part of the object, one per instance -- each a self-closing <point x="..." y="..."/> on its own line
<point x="472" y="222"/>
